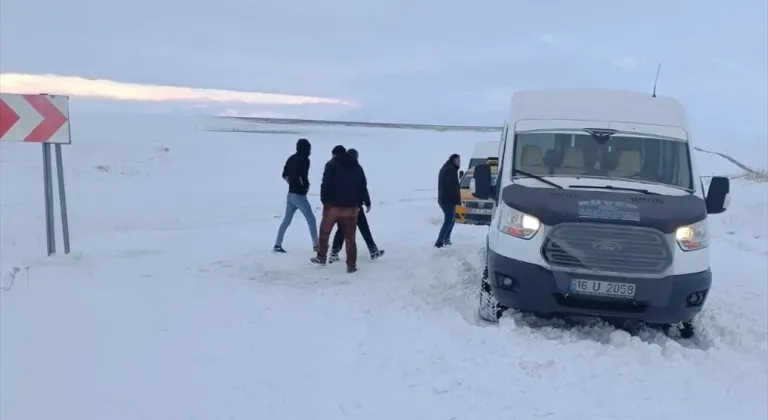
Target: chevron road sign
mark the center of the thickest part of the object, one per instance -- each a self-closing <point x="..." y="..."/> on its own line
<point x="34" y="118"/>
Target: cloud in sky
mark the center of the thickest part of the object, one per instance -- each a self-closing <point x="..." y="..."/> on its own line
<point x="628" y="63"/>
<point x="235" y="112"/>
<point x="110" y="89"/>
<point x="548" y="39"/>
<point x="430" y="60"/>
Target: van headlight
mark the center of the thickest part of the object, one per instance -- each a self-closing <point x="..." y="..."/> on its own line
<point x="692" y="237"/>
<point x="516" y="223"/>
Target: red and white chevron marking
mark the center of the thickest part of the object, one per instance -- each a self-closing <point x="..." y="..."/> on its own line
<point x="34" y="118"/>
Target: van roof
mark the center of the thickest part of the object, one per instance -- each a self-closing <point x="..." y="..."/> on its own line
<point x="486" y="149"/>
<point x="596" y="105"/>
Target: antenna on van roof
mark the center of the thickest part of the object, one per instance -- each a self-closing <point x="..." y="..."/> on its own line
<point x="656" y="81"/>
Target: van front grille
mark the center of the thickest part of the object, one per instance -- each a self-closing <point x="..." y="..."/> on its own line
<point x="607" y="248"/>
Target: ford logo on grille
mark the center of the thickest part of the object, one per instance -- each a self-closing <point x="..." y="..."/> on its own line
<point x="607" y="247"/>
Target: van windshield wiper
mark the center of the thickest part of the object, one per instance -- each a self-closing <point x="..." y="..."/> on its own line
<point x="611" y="187"/>
<point x="536" y="177"/>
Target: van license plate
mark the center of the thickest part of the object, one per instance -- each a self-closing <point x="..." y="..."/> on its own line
<point x="603" y="288"/>
<point x="484" y="212"/>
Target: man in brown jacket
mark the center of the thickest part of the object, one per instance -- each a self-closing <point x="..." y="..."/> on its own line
<point x="342" y="190"/>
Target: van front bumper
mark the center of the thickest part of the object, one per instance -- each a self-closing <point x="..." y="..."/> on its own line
<point x="531" y="288"/>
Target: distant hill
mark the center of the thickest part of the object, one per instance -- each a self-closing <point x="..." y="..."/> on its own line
<point x="431" y="127"/>
<point x="329" y="123"/>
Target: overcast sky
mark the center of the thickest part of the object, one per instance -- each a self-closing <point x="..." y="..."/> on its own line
<point x="406" y="60"/>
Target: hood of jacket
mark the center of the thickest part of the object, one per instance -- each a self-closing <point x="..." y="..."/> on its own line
<point x="303" y="147"/>
<point x="345" y="159"/>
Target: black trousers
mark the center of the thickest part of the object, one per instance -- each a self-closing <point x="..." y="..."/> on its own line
<point x="365" y="230"/>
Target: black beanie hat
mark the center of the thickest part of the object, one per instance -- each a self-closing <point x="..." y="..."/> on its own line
<point x="338" y="150"/>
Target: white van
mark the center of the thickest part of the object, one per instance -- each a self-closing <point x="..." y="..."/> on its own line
<point x="482" y="152"/>
<point x="598" y="210"/>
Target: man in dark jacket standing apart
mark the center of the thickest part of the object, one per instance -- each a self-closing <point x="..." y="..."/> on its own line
<point x="362" y="224"/>
<point x="448" y="197"/>
<point x="343" y="189"/>
<point x="296" y="174"/>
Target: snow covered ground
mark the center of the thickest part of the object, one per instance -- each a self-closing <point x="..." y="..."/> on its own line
<point x="173" y="307"/>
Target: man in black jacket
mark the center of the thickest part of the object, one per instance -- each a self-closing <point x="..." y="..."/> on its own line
<point x="448" y="197"/>
<point x="296" y="174"/>
<point x="343" y="189"/>
<point x="362" y="224"/>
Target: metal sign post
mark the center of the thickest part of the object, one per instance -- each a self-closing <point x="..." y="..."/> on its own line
<point x="62" y="197"/>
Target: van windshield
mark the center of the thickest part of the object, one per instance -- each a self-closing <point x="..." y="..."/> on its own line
<point x="472" y="163"/>
<point x="625" y="156"/>
<point x="475" y="161"/>
<point x="468" y="177"/>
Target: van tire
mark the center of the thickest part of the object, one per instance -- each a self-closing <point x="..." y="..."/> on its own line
<point x="490" y="309"/>
<point x="684" y="330"/>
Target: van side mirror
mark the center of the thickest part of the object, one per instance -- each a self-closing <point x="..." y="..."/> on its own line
<point x="482" y="187"/>
<point x="461" y="174"/>
<point x="718" y="196"/>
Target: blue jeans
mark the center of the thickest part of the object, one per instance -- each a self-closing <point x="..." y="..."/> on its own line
<point x="449" y="219"/>
<point x="292" y="203"/>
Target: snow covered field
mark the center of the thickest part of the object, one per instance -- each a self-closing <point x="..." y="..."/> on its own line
<point x="172" y="306"/>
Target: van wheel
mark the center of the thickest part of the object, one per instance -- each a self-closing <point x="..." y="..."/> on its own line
<point x="684" y="330"/>
<point x="490" y="309"/>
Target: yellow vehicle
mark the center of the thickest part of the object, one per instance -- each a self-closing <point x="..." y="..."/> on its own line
<point x="472" y="210"/>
